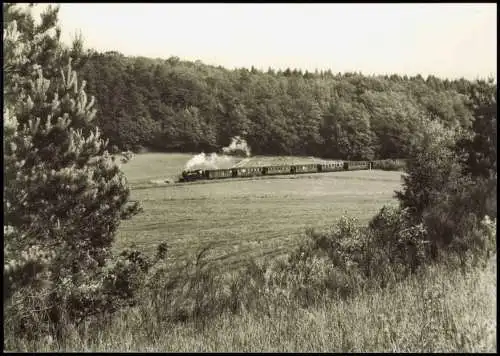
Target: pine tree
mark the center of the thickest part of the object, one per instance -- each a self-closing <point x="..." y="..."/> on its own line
<point x="64" y="195"/>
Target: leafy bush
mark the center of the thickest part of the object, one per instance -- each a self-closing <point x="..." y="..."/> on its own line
<point x="353" y="258"/>
<point x="395" y="241"/>
<point x="342" y="244"/>
<point x="331" y="261"/>
<point x="450" y="183"/>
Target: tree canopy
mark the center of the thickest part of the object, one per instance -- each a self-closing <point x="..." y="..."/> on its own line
<point x="175" y="105"/>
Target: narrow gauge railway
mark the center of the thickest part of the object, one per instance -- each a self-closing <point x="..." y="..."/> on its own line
<point x="239" y="172"/>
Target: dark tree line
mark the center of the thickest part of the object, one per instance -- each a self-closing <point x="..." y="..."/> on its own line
<point x="174" y="105"/>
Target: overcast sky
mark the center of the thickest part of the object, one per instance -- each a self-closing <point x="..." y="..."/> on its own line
<point x="447" y="40"/>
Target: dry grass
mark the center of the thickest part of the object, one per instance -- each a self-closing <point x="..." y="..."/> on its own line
<point x="442" y="310"/>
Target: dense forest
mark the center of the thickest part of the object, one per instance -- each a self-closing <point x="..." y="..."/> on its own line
<point x="175" y="105"/>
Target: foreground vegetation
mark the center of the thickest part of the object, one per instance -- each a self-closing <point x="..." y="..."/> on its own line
<point x="440" y="309"/>
<point x="67" y="283"/>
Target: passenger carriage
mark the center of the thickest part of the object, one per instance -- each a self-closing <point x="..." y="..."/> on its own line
<point x="304" y="168"/>
<point x="358" y="165"/>
<point x="246" y="171"/>
<point x="276" y="170"/>
<point x="333" y="166"/>
<point x="218" y="173"/>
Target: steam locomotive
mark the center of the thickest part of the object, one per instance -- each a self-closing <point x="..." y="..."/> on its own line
<point x="238" y="172"/>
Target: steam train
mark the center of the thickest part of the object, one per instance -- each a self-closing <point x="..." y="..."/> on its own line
<point x="239" y="172"/>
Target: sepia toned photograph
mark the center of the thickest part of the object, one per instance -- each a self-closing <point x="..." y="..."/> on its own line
<point x="237" y="177"/>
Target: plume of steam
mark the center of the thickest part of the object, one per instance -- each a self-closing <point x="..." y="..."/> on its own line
<point x="211" y="161"/>
<point x="238" y="146"/>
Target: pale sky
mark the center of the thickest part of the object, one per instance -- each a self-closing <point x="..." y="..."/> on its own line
<point x="446" y="40"/>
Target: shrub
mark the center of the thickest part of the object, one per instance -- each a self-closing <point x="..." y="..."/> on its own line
<point x="451" y="180"/>
<point x="343" y="243"/>
<point x="330" y="261"/>
<point x="394" y="241"/>
<point x="442" y="196"/>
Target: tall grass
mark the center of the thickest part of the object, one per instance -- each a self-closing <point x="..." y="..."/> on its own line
<point x="440" y="309"/>
<point x="341" y="290"/>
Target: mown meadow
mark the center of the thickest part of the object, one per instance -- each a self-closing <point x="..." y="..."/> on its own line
<point x="243" y="218"/>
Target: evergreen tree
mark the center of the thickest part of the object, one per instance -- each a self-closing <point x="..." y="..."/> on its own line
<point x="64" y="195"/>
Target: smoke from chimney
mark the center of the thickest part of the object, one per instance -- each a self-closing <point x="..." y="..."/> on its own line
<point x="237" y="147"/>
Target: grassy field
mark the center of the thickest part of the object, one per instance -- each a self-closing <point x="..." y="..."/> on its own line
<point x="144" y="168"/>
<point x="246" y="217"/>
